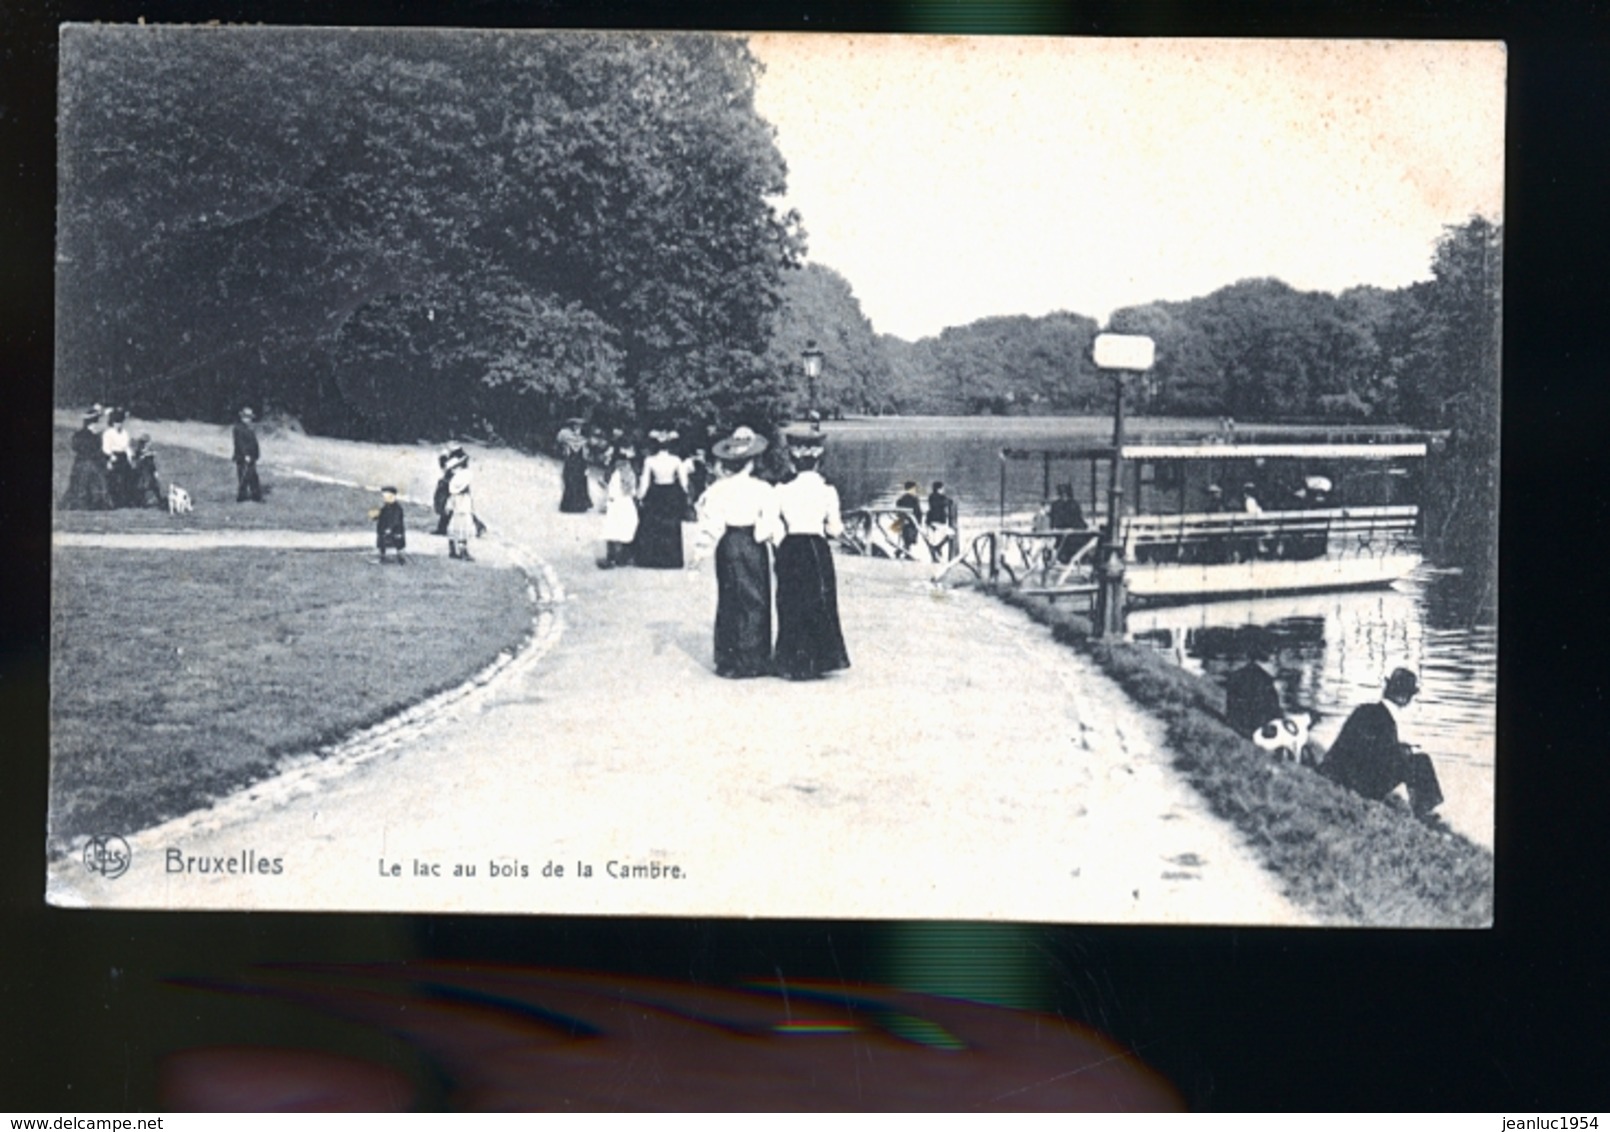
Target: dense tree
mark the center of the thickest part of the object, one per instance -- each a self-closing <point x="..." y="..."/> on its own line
<point x="820" y="306"/>
<point x="1455" y="363"/>
<point x="396" y="232"/>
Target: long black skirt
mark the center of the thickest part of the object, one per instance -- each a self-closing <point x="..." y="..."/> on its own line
<point x="86" y="485"/>
<point x="810" y="641"/>
<point x="577" y="497"/>
<point x="743" y="605"/>
<point x="659" y="527"/>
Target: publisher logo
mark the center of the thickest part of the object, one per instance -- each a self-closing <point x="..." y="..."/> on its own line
<point x="109" y="856"/>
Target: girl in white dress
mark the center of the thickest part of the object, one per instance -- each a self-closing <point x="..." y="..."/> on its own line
<point x="620" y="508"/>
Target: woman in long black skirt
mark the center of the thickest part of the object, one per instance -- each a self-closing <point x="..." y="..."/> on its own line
<point x="86" y="484"/>
<point x="663" y="494"/>
<point x="577" y="498"/>
<point x="739" y="514"/>
<point x="810" y="641"/>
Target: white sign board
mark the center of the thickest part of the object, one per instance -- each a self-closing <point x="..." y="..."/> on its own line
<point x="1124" y="351"/>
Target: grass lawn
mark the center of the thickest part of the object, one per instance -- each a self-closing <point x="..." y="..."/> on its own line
<point x="289" y="501"/>
<point x="1348" y="860"/>
<point x="177" y="677"/>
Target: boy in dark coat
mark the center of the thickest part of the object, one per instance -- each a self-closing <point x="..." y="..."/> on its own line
<point x="247" y="485"/>
<point x="390" y="531"/>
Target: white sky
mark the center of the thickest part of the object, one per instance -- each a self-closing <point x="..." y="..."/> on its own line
<point x="950" y="178"/>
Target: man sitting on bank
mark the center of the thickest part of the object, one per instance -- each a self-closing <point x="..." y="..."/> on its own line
<point x="1369" y="759"/>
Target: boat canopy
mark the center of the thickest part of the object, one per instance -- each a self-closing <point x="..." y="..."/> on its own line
<point x="1315" y="451"/>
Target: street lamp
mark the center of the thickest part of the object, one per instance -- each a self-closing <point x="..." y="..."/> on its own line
<point x="812" y="360"/>
<point x="1117" y="354"/>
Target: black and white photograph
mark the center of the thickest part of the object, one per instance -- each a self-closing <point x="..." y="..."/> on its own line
<point x="867" y="477"/>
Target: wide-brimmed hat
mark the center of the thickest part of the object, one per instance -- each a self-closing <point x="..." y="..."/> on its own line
<point x="93" y="413"/>
<point x="664" y="435"/>
<point x="573" y="422"/>
<point x="457" y="458"/>
<point x="246" y="414"/>
<point x="743" y="444"/>
<point x="1401" y="685"/>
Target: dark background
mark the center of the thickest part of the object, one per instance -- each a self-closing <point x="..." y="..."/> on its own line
<point x="1511" y="1019"/>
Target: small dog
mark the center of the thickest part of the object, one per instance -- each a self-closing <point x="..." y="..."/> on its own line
<point x="178" y="500"/>
<point x="1286" y="738"/>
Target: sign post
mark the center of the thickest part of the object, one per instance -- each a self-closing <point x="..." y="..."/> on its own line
<point x="1116" y="354"/>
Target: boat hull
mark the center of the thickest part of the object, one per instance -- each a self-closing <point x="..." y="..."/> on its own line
<point x="1186" y="582"/>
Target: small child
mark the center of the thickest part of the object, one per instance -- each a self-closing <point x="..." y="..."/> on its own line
<point x="390" y="533"/>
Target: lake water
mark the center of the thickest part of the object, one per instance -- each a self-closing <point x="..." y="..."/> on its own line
<point x="1333" y="650"/>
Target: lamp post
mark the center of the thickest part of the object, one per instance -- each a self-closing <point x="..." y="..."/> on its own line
<point x="811" y="358"/>
<point x="1117" y="354"/>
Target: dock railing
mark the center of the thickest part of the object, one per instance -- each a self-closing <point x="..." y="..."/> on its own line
<point x="1048" y="562"/>
<point x="894" y="532"/>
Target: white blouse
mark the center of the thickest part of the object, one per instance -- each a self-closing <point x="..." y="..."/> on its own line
<point x="115" y="441"/>
<point x="739" y="500"/>
<point x="809" y="505"/>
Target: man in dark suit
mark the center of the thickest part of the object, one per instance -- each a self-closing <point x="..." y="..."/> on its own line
<point x="247" y="485"/>
<point x="1250" y="696"/>
<point x="1369" y="759"/>
<point x="1067" y="515"/>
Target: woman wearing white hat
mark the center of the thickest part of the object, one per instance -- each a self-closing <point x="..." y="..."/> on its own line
<point x="739" y="514"/>
<point x="460" y="505"/>
<point x="810" y="642"/>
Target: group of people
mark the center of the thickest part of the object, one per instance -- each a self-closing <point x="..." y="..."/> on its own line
<point x="754" y="528"/>
<point x="1368" y="757"/>
<point x="933" y="525"/>
<point x="645" y="503"/>
<point x="111" y="469"/>
<point x="454" y="504"/>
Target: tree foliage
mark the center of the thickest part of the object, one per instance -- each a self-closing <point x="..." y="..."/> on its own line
<point x="819" y="306"/>
<point x="1425" y="354"/>
<point x="398" y="233"/>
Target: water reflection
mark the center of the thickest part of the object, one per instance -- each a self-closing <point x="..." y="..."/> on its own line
<point x="1332" y="652"/>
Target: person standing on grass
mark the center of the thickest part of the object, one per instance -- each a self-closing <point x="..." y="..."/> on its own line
<point x="1369" y="759"/>
<point x="118" y="448"/>
<point x="247" y="485"/>
<point x="86" y="484"/>
<point x="810" y="641"/>
<point x="461" y="524"/>
<point x="390" y="528"/>
<point x="439" y="497"/>
<point x="739" y="515"/>
<point x="147" y="490"/>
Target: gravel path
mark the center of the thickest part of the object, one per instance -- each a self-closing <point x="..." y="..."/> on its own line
<point x="966" y="766"/>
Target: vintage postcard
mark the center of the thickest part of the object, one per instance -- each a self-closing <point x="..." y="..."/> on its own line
<point x="851" y="477"/>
